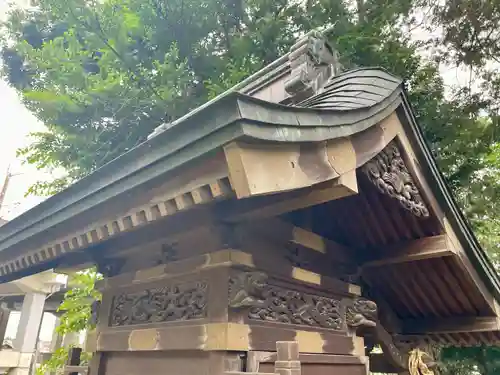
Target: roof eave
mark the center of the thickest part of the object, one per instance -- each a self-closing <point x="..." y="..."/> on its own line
<point x="441" y="190"/>
<point x="233" y="116"/>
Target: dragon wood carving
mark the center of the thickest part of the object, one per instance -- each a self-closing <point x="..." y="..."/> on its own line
<point x="266" y="302"/>
<point x="171" y="303"/>
<point x="389" y="173"/>
<point x="361" y="312"/>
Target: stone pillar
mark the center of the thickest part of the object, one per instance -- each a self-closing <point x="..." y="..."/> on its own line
<point x="57" y="338"/>
<point x="28" y="330"/>
<point x="29" y="323"/>
<point x="4" y="320"/>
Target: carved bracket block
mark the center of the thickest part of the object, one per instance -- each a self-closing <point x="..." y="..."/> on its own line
<point x="361" y="313"/>
<point x="389" y="173"/>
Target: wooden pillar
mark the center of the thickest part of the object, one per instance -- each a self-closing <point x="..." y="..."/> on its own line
<point x="74" y="356"/>
<point x="287" y="363"/>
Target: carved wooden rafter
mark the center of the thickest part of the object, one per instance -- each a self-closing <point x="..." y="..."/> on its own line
<point x="393" y="354"/>
<point x="389" y="173"/>
<point x="252" y="292"/>
<point x="396" y="352"/>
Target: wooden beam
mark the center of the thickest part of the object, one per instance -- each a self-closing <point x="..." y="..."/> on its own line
<point x="450" y="325"/>
<point x="393" y="355"/>
<point x="411" y="251"/>
<point x="279" y="230"/>
<point x="268" y="168"/>
<point x="278" y="204"/>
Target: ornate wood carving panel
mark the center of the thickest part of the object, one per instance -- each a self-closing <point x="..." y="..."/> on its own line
<point x="389" y="173"/>
<point x="252" y="295"/>
<point x="166" y="304"/>
<point x="271" y="303"/>
<point x="251" y="292"/>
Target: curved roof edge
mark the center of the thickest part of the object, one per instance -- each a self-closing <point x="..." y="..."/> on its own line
<point x="229" y="117"/>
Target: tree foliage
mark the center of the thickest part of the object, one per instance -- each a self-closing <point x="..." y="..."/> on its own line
<point x="75" y="316"/>
<point x="101" y="75"/>
<point x="469" y="361"/>
<point x="77" y="304"/>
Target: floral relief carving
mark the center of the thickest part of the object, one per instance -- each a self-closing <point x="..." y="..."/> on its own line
<point x="170" y="303"/>
<point x="389" y="173"/>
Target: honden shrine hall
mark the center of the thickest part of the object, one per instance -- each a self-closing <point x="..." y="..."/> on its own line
<point x="302" y="207"/>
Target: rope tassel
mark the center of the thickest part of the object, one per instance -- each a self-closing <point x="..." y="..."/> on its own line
<point x="416" y="364"/>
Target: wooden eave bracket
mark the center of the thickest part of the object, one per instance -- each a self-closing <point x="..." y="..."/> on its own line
<point x="411" y="251"/>
<point x="301" y="245"/>
<point x="270" y="168"/>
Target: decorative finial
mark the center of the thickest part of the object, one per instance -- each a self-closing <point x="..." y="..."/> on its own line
<point x="312" y="61"/>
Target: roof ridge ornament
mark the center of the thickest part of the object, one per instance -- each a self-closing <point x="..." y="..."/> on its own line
<point x="313" y="61"/>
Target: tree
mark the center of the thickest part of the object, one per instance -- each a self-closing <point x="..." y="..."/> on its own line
<point x="103" y="74"/>
<point x="471" y="39"/>
<point x="480" y="360"/>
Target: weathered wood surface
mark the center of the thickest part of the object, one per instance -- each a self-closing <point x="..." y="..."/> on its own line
<point x="72" y="366"/>
<point x="225" y="303"/>
<point x="75" y="370"/>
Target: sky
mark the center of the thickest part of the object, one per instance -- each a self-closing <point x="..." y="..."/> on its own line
<point x="16" y="123"/>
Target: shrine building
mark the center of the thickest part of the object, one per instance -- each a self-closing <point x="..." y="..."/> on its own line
<point x="301" y="206"/>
